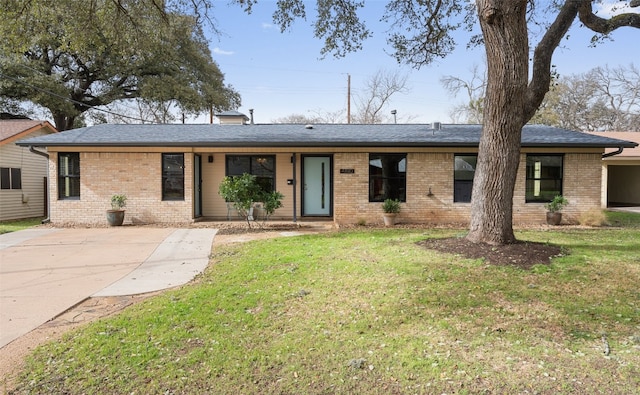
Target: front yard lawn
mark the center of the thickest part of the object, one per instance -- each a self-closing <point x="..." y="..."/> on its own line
<point x="371" y="312"/>
<point x="18" y="224"/>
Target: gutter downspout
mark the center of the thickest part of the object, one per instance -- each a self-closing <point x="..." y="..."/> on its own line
<point x="35" y="151"/>
<point x="616" y="152"/>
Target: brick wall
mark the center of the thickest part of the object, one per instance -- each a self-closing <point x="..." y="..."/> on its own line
<point x="430" y="190"/>
<point x="137" y="175"/>
<point x="581" y="184"/>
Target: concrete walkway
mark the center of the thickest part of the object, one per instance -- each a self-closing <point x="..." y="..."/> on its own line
<point x="625" y="209"/>
<point x="44" y="272"/>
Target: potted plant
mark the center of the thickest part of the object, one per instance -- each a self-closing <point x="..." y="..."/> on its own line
<point x="554" y="216"/>
<point x="391" y="208"/>
<point x="115" y="216"/>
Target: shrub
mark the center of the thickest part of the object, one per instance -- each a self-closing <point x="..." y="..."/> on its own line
<point x="391" y="206"/>
<point x="271" y="202"/>
<point x="557" y="204"/>
<point x="118" y="202"/>
<point x="243" y="191"/>
<point x="593" y="217"/>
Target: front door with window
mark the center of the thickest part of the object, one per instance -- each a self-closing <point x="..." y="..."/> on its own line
<point x="316" y="182"/>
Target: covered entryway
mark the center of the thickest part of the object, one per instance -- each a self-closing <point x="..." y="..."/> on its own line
<point x="317" y="182"/>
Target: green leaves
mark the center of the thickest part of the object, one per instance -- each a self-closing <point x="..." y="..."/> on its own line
<point x="70" y="55"/>
<point x="340" y="27"/>
<point x="243" y="191"/>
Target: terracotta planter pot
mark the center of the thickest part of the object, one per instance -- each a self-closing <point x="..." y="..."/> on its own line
<point x="389" y="219"/>
<point x="115" y="217"/>
<point x="554" y="218"/>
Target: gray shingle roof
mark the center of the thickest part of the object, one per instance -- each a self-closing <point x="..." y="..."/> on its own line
<point x="322" y="135"/>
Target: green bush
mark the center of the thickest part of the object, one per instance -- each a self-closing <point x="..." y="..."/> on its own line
<point x="557" y="204"/>
<point x="243" y="191"/>
<point x="118" y="202"/>
<point x="391" y="206"/>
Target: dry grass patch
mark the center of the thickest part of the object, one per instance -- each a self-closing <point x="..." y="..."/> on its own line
<point x="593" y="217"/>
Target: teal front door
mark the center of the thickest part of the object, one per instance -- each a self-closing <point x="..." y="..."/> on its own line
<point x="316" y="183"/>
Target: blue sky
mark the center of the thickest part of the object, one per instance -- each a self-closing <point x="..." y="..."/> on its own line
<point x="279" y="74"/>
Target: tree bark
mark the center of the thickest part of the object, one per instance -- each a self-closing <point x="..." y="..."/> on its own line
<point x="504" y="27"/>
<point x="63" y="122"/>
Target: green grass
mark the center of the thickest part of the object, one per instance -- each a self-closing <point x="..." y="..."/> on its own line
<point x="19" y="224"/>
<point x="627" y="220"/>
<point x="370" y="312"/>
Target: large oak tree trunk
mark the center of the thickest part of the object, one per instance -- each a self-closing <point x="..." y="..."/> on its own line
<point x="505" y="32"/>
<point x="63" y="122"/>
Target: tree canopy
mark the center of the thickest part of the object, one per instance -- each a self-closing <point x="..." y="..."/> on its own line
<point x="70" y="56"/>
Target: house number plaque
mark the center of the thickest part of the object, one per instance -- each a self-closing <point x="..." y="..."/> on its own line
<point x="347" y="171"/>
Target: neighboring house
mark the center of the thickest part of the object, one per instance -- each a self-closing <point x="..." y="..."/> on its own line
<point x="621" y="172"/>
<point x="341" y="172"/>
<point x="23" y="174"/>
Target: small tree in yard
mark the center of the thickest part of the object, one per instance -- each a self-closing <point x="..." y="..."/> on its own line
<point x="271" y="202"/>
<point x="243" y="191"/>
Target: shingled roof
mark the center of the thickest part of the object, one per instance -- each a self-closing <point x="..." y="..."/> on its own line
<point x="296" y="135"/>
<point x="14" y="129"/>
<point x="628" y="136"/>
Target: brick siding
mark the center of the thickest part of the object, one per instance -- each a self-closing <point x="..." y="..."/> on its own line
<point x="137" y="175"/>
<point x="429" y="189"/>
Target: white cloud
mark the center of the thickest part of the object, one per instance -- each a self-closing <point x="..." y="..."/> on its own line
<point x="267" y="26"/>
<point x="609" y="8"/>
<point x="219" y="51"/>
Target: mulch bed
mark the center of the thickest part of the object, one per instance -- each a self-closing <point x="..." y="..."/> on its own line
<point x="521" y="254"/>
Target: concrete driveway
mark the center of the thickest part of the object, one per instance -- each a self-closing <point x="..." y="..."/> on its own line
<point x="44" y="272"/>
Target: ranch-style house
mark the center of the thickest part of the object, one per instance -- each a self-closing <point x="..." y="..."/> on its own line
<point x="339" y="172"/>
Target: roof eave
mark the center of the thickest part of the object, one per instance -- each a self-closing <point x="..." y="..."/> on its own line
<point x="325" y="144"/>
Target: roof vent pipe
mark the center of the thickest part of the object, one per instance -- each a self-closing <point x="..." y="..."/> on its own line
<point x="251" y="115"/>
<point x="436" y="125"/>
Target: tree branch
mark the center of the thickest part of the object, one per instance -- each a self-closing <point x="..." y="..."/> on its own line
<point x="606" y="26"/>
<point x="541" y="79"/>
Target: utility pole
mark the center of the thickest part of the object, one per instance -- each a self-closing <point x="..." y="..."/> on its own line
<point x="348" y="98"/>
